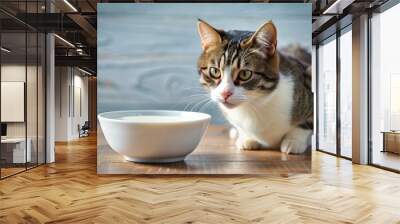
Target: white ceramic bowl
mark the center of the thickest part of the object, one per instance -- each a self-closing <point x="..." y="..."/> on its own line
<point x="153" y="136"/>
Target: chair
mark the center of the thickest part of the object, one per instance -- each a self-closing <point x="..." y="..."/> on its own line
<point x="84" y="130"/>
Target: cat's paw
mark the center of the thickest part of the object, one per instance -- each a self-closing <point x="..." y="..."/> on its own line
<point x="233" y="133"/>
<point x="247" y="144"/>
<point x="293" y="146"/>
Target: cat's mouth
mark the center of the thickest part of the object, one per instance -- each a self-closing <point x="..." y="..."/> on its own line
<point x="228" y="105"/>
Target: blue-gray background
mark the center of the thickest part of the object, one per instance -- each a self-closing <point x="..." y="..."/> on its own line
<point x="147" y="52"/>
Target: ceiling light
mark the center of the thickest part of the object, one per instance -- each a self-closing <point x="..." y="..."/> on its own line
<point x="65" y="41"/>
<point x="70" y="5"/>
<point x="338" y="6"/>
<point x="5" y="50"/>
<point x="84" y="71"/>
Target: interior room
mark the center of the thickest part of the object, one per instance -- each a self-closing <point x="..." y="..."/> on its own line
<point x="384" y="91"/>
<point x="59" y="76"/>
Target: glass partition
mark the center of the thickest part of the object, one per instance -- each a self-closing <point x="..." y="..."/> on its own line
<point x="14" y="153"/>
<point x="385" y="90"/>
<point x="22" y="78"/>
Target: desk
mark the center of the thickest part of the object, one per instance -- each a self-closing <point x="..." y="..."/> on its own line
<point x="391" y="141"/>
<point x="15" y="148"/>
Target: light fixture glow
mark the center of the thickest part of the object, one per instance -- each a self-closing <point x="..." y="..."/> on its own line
<point x="5" y="50"/>
<point x="65" y="41"/>
<point x="70" y="5"/>
<point x="84" y="71"/>
<point x="338" y="6"/>
<point x="327" y="11"/>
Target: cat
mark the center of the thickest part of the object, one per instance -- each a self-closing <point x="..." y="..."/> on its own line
<point x="265" y="93"/>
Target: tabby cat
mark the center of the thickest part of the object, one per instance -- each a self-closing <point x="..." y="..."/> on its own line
<point x="265" y="93"/>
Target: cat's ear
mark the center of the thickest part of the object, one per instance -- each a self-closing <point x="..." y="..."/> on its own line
<point x="265" y="37"/>
<point x="208" y="35"/>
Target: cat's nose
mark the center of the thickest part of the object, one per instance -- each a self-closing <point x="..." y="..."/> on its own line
<point x="226" y="94"/>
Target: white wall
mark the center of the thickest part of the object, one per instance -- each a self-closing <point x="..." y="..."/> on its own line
<point x="80" y="109"/>
<point x="12" y="73"/>
<point x="70" y="83"/>
<point x="62" y="81"/>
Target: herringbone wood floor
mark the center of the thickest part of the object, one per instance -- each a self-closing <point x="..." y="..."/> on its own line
<point x="70" y="191"/>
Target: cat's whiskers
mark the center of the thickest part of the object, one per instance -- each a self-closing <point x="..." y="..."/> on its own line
<point x="199" y="103"/>
<point x="192" y="103"/>
<point x="205" y="105"/>
<point x="196" y="95"/>
<point x="192" y="98"/>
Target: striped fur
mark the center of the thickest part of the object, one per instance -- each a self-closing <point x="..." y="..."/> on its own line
<point x="278" y="78"/>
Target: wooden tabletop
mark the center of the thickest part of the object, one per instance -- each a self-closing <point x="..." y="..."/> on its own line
<point x="216" y="154"/>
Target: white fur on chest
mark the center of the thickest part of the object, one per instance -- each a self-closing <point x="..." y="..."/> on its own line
<point x="265" y="118"/>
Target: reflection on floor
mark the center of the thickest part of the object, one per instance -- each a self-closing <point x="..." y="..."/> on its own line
<point x="11" y="169"/>
<point x="387" y="159"/>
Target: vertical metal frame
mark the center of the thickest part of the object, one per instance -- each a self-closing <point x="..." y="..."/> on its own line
<point x="316" y="97"/>
<point x="26" y="86"/>
<point x="0" y="93"/>
<point x="37" y="90"/>
<point x="73" y="91"/>
<point x="369" y="78"/>
<point x="338" y="72"/>
<point x="44" y="72"/>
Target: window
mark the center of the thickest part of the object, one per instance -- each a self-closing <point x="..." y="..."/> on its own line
<point x="346" y="75"/>
<point x="327" y="96"/>
<point x="385" y="89"/>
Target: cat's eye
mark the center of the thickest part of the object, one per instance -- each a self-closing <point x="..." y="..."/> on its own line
<point x="245" y="75"/>
<point x="214" y="73"/>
